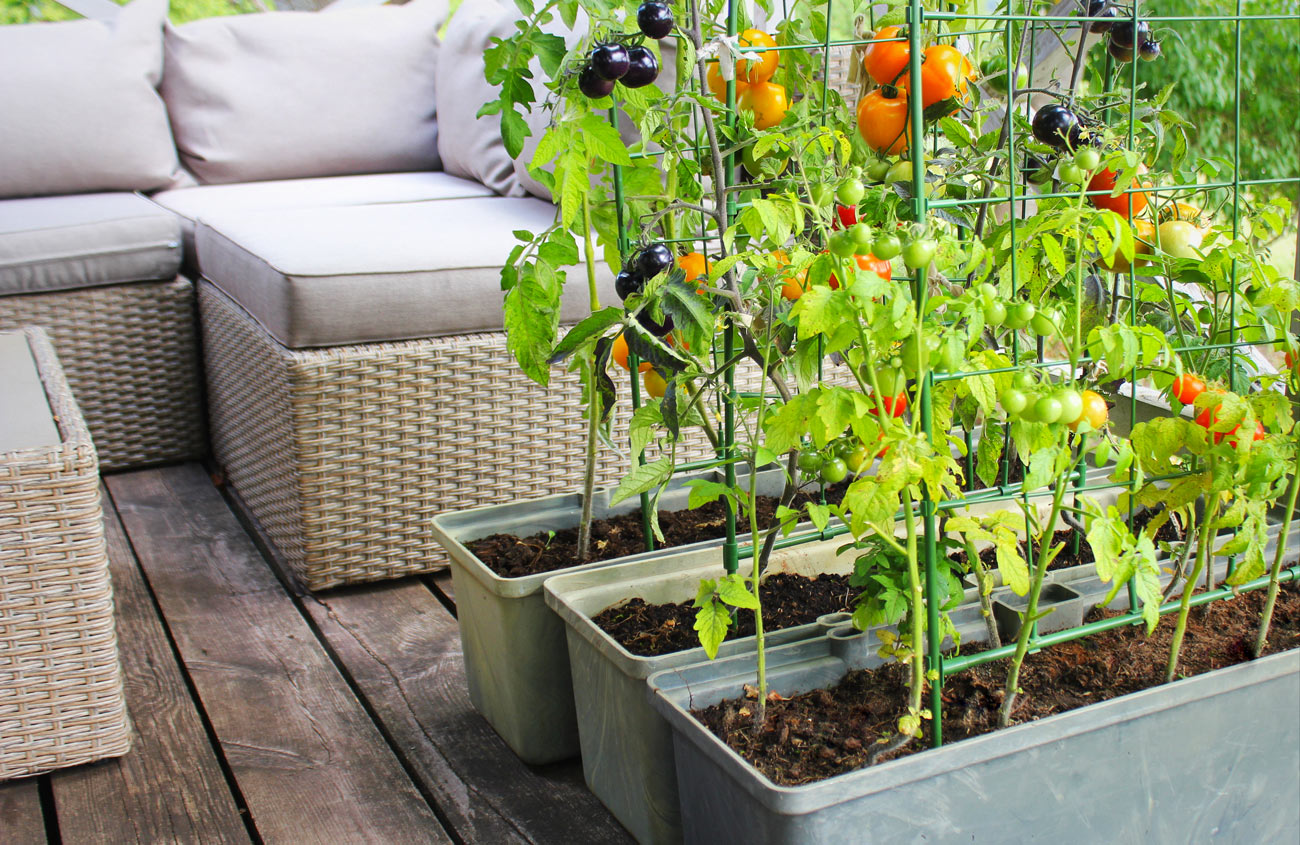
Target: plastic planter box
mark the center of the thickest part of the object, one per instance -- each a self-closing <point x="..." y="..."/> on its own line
<point x="516" y="663"/>
<point x="1208" y="757"/>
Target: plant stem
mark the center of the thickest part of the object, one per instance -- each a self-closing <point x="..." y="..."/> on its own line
<point x="985" y="583"/>
<point x="1203" y="542"/>
<point x="917" y="689"/>
<point x="1045" y="557"/>
<point x="1261" y="639"/>
<point x="593" y="401"/>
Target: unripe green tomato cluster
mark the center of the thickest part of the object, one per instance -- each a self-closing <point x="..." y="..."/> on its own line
<point x="1063" y="405"/>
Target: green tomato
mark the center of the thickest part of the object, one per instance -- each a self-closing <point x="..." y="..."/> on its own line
<point x="1071" y="402"/>
<point x="995" y="313"/>
<point x="1044" y="323"/>
<point x="822" y="195"/>
<point x="877" y="170"/>
<point x="858" y="458"/>
<point x="834" y="471"/>
<point x="951" y="355"/>
<point x="1047" y="409"/>
<point x="988" y="292"/>
<point x="862" y="235"/>
<point x="911" y="354"/>
<point x="1013" y="401"/>
<point x="1180" y="238"/>
<point x="842" y="244"/>
<point x="811" y="462"/>
<point x="900" y="172"/>
<point x="1069" y="173"/>
<point x="779" y="156"/>
<point x="1020" y="315"/>
<point x="850" y="192"/>
<point x="886" y="246"/>
<point x="919" y="253"/>
<point x="1088" y="159"/>
<point x="1024" y="380"/>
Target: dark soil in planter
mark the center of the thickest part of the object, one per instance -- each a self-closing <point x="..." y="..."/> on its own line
<point x="827" y="732"/>
<point x="515" y="557"/>
<point x="788" y="600"/>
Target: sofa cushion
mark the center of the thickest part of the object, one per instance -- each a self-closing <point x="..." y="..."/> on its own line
<point x="286" y="95"/>
<point x="85" y="240"/>
<point x="79" y="109"/>
<point x="194" y="204"/>
<point x="361" y="274"/>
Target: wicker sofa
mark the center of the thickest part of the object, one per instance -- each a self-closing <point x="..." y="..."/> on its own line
<point x="321" y="199"/>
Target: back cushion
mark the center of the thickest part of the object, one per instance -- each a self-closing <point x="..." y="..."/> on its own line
<point x="287" y="95"/>
<point x="79" y="109"/>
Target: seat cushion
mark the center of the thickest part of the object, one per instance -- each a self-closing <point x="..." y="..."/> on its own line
<point x="194" y="204"/>
<point x="287" y="95"/>
<point x="79" y="109"/>
<point x="361" y="274"/>
<point x="85" y="240"/>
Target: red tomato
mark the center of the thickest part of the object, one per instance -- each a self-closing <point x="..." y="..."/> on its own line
<point x="879" y="266"/>
<point x="845" y="216"/>
<point x="1187" y="387"/>
<point x="1105" y="181"/>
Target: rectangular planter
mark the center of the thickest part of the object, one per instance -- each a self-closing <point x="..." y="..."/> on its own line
<point x="516" y="663"/>
<point x="1177" y="763"/>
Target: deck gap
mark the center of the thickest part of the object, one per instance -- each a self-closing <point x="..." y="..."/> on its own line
<point x="443" y="599"/>
<point x="297" y="594"/>
<point x="241" y="805"/>
<point x="49" y="810"/>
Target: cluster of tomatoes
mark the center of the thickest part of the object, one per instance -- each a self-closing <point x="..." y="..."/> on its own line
<point x="1187" y="387"/>
<point x="1124" y="38"/>
<point x="756" y="93"/>
<point x="1026" y="400"/>
<point x="634" y="66"/>
<point x="883" y="113"/>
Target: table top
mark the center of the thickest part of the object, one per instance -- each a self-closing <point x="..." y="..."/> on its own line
<point x="26" y="421"/>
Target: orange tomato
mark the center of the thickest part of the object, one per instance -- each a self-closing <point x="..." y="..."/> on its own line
<point x="718" y="85"/>
<point x="619" y="353"/>
<point x="884" y="61"/>
<point x="943" y="75"/>
<point x="1105" y="180"/>
<point x="654" y="383"/>
<point x="1095" y="411"/>
<point x="793" y="287"/>
<point x="1144" y="236"/>
<point x="879" y="266"/>
<point x="694" y="264"/>
<point x="1182" y="211"/>
<point x="883" y="122"/>
<point x="767" y="102"/>
<point x="759" y="67"/>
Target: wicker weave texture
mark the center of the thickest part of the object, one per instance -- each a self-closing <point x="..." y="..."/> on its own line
<point x="61" y="696"/>
<point x="344" y="454"/>
<point x="130" y="353"/>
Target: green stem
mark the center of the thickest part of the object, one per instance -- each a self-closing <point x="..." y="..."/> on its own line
<point x="917" y="686"/>
<point x="985" y="583"/>
<point x="593" y="404"/>
<point x="1046" y="555"/>
<point x="1203" y="542"/>
<point x="1261" y="640"/>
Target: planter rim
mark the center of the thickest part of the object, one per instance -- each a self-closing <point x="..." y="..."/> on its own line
<point x="806" y="798"/>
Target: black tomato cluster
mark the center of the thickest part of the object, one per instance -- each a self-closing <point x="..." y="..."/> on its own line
<point x="1124" y="37"/>
<point x="1057" y="125"/>
<point x="644" y="265"/>
<point x="633" y="66"/>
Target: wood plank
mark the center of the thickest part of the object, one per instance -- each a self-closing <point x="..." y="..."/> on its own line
<point x="442" y="583"/>
<point x="402" y="649"/>
<point x="169" y="787"/>
<point x="311" y="765"/>
<point x="22" y="821"/>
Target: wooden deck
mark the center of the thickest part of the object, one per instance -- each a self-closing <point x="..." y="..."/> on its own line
<point x="265" y="715"/>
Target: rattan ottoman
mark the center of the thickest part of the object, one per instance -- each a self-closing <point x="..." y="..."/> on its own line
<point x="61" y="695"/>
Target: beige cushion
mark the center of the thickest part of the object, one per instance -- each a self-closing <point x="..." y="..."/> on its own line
<point x="361" y="274"/>
<point x="78" y="107"/>
<point x="287" y="95"/>
<point x="193" y="204"/>
<point x="85" y="240"/>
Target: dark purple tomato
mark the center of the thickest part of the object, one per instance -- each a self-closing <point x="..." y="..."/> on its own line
<point x="1119" y="52"/>
<point x="1150" y="50"/>
<point x="1055" y="125"/>
<point x="609" y="61"/>
<point x="593" y="84"/>
<point x="1125" y="34"/>
<point x="655" y="19"/>
<point x="626" y="284"/>
<point x="650" y="324"/>
<point x="1103" y="15"/>
<point x="653" y="260"/>
<point x="643" y="68"/>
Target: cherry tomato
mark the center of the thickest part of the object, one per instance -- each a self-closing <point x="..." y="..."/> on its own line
<point x="850" y="192"/>
<point x="779" y="156"/>
<point x="694" y="265"/>
<point x="900" y="172"/>
<point x="822" y="195"/>
<point x="883" y="121"/>
<point x="718" y="85"/>
<point x="879" y="266"/>
<point x="886" y="60"/>
<point x="877" y="169"/>
<point x="757" y="67"/>
<point x="834" y="471"/>
<point x="1047" y="409"/>
<point x="619" y="352"/>
<point x="1144" y="236"/>
<point x="919" y="253"/>
<point x="845" y="216"/>
<point x="1024" y="381"/>
<point x="886" y="246"/>
<point x="858" y="458"/>
<point x="1088" y="159"/>
<point x="842" y="244"/>
<point x="811" y="462"/>
<point x="1013" y="401"/>
<point x="793" y="287"/>
<point x="1260" y="431"/>
<point x="654" y="383"/>
<point x="1070" y="173"/>
<point x="1020" y="315"/>
<point x="861" y="234"/>
<point x="1105" y="180"/>
<point x="767" y="101"/>
<point x="1071" y="405"/>
<point x="1180" y="238"/>
<point x="1187" y="387"/>
<point x="1095" y="410"/>
<point x="1045" y="323"/>
<point x="1055" y="124"/>
<point x="995" y="313"/>
<point x="943" y="75"/>
<point x="895" y="406"/>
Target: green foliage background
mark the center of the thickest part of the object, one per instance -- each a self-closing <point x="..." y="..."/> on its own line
<point x="180" y="11"/>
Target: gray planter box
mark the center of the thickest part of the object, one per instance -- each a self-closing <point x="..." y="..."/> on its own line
<point x="516" y="663"/>
<point x="1214" y="756"/>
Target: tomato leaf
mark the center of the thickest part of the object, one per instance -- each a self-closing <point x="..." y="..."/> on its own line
<point x="532" y="318"/>
<point x="643" y="479"/>
<point x="712" y="622"/>
<point x="593" y="326"/>
<point x="733" y="591"/>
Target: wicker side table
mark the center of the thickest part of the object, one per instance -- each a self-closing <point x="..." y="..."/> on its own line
<point x="61" y="696"/>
